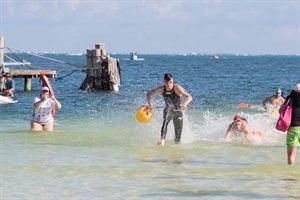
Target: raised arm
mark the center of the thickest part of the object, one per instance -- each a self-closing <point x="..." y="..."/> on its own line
<point x="38" y="103"/>
<point x="57" y="103"/>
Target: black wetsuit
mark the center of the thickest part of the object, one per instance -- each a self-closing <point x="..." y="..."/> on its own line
<point x="172" y="111"/>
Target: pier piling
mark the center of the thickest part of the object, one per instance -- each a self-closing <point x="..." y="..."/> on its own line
<point x="103" y="72"/>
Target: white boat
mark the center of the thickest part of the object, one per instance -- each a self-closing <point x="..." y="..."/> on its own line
<point x="133" y="56"/>
<point x="6" y="100"/>
<point x="215" y="56"/>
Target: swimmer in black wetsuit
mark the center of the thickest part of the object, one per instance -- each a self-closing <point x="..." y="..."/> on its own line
<point x="172" y="94"/>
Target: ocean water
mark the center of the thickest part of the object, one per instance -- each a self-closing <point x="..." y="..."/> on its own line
<point x="99" y="151"/>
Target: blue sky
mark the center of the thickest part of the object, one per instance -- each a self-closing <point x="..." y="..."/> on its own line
<point x="162" y="26"/>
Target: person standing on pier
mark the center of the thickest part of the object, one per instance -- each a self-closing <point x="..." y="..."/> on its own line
<point x="43" y="119"/>
<point x="172" y="94"/>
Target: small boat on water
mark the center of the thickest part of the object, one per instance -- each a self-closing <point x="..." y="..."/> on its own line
<point x="6" y="100"/>
<point x="215" y="56"/>
<point x="133" y="56"/>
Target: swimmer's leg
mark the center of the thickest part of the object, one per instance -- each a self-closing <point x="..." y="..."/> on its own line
<point x="167" y="116"/>
<point x="178" y="124"/>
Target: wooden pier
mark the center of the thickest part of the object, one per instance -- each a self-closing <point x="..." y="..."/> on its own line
<point x="26" y="74"/>
<point x="29" y="74"/>
<point x="102" y="71"/>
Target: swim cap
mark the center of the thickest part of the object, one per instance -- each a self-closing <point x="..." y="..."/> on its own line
<point x="237" y="117"/>
<point x="278" y="90"/>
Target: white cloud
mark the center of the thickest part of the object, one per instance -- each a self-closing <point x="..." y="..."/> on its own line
<point x="32" y="6"/>
<point x="143" y="24"/>
<point x="103" y="9"/>
<point x="73" y="4"/>
<point x="287" y="33"/>
<point x="169" y="10"/>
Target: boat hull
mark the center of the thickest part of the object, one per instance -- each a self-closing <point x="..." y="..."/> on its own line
<point x="6" y="100"/>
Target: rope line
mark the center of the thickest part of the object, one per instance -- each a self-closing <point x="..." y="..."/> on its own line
<point x="9" y="58"/>
<point x="83" y="67"/>
<point x="19" y="59"/>
<point x="62" y="77"/>
<point x="52" y="59"/>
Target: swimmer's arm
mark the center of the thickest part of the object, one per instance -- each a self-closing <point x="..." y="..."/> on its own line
<point x="229" y="132"/>
<point x="265" y="102"/>
<point x="158" y="90"/>
<point x="247" y="132"/>
<point x="188" y="97"/>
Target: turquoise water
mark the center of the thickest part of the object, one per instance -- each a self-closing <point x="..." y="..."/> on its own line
<point x="99" y="151"/>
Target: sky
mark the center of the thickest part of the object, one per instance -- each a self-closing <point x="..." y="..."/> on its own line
<point x="153" y="27"/>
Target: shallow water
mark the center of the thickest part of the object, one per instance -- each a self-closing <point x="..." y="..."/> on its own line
<point x="99" y="151"/>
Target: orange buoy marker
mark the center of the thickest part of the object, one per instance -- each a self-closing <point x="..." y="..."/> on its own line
<point x="244" y="105"/>
<point x="143" y="114"/>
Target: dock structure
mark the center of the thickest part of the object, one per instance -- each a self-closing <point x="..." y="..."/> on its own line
<point x="26" y="74"/>
<point x="102" y="72"/>
<point x="29" y="74"/>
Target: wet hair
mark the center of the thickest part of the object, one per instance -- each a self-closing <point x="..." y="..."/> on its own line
<point x="168" y="77"/>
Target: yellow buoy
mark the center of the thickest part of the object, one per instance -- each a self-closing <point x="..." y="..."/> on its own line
<point x="143" y="114"/>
